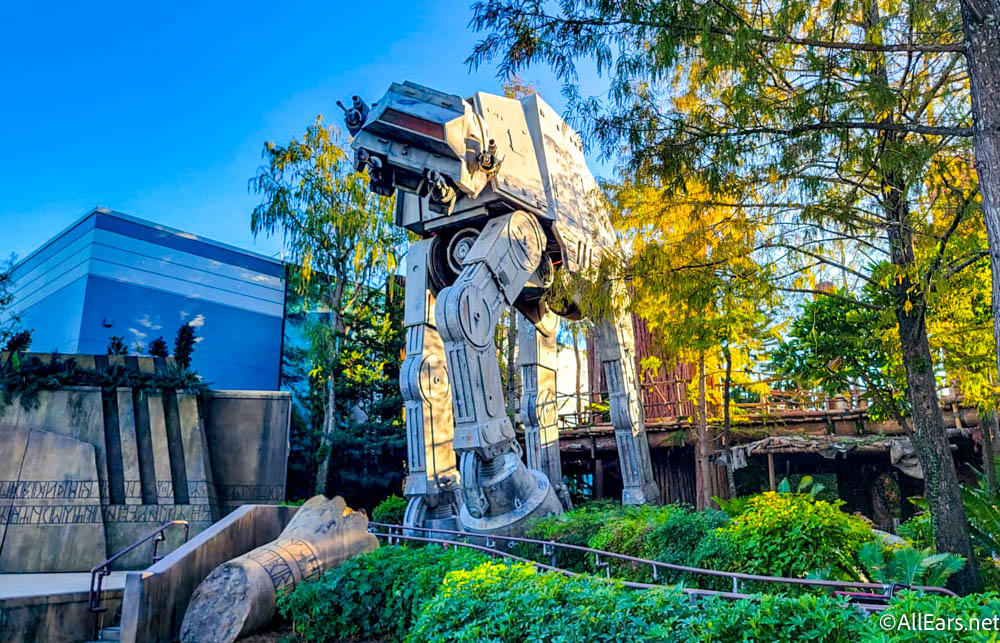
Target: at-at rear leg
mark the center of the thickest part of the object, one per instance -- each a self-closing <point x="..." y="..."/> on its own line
<point x="431" y="484"/>
<point x="616" y="346"/>
<point x="537" y="356"/>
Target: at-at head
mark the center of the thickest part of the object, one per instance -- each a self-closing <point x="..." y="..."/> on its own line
<point x="454" y="163"/>
<point x="423" y="142"/>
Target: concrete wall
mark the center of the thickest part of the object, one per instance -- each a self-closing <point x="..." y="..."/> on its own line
<point x="155" y="599"/>
<point x="85" y="473"/>
<point x="51" y="514"/>
<point x="58" y="618"/>
<point x="235" y="419"/>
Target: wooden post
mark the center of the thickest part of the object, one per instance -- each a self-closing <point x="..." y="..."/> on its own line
<point x="770" y="471"/>
<point x="598" y="478"/>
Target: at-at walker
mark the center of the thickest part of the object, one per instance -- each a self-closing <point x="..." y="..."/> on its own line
<point x="499" y="192"/>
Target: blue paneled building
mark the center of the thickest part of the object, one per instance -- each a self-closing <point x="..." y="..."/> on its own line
<point x="110" y="274"/>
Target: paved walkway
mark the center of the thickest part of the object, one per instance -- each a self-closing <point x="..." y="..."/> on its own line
<point x="15" y="585"/>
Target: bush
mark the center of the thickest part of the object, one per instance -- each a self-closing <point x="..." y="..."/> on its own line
<point x="793" y="534"/>
<point x="429" y="594"/>
<point x="498" y="602"/>
<point x="390" y="510"/>
<point x="668" y="533"/>
<point x="631" y="534"/>
<point x="911" y="605"/>
<point x="917" y="531"/>
<point x="575" y="527"/>
<point x="372" y="596"/>
<point x="679" y="540"/>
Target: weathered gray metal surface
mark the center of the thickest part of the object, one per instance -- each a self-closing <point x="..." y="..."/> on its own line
<point x="499" y="189"/>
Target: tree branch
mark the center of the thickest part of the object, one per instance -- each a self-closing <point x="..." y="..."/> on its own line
<point x="832" y="295"/>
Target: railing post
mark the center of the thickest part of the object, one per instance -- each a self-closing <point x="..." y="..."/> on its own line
<point x="552" y="555"/>
<point x="598" y="563"/>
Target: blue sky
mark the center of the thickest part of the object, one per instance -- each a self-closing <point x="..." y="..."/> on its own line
<point x="161" y="111"/>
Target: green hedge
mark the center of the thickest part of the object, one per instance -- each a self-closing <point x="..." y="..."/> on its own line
<point x="791" y="534"/>
<point x="670" y="533"/>
<point x="499" y="602"/>
<point x="373" y="596"/>
<point x="429" y="594"/>
<point x="390" y="511"/>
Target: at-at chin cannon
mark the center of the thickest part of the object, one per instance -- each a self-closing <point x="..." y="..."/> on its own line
<point x="499" y="192"/>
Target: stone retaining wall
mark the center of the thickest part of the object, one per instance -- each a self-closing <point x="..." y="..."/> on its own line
<point x="85" y="472"/>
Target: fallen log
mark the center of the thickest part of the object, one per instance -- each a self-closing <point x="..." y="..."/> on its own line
<point x="239" y="596"/>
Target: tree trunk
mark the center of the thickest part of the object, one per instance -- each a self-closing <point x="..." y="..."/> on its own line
<point x="930" y="439"/>
<point x="726" y="428"/>
<point x="330" y="414"/>
<point x="981" y="23"/>
<point x="704" y="444"/>
<point x="512" y="389"/>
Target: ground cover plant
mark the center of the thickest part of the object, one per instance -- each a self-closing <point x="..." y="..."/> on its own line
<point x="400" y="593"/>
<point x="773" y="533"/>
<point x="373" y="596"/>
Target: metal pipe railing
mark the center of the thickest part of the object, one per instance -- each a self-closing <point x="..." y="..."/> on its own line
<point x="550" y="546"/>
<point x="100" y="571"/>
<point x="690" y="591"/>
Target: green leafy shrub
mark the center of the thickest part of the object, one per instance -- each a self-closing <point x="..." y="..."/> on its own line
<point x="390" y="510"/>
<point x="776" y="619"/>
<point x="456" y="595"/>
<point x="679" y="540"/>
<point x="911" y="605"/>
<point x="917" y="531"/>
<point x="669" y="533"/>
<point x="718" y="550"/>
<point x="497" y="602"/>
<point x="373" y="596"/>
<point x="575" y="527"/>
<point x="631" y="533"/>
<point x="908" y="565"/>
<point x="793" y="534"/>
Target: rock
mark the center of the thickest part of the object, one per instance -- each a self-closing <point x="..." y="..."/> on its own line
<point x="889" y="539"/>
<point x="239" y="596"/>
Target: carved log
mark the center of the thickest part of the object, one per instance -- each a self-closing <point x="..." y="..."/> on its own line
<point x="239" y="596"/>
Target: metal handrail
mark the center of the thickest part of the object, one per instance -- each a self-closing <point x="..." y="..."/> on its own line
<point x="548" y="547"/>
<point x="691" y="591"/>
<point x="101" y="570"/>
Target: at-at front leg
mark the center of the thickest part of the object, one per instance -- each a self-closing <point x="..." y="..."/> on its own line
<point x="431" y="484"/>
<point x="537" y="355"/>
<point x="616" y="344"/>
<point x="499" y="493"/>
